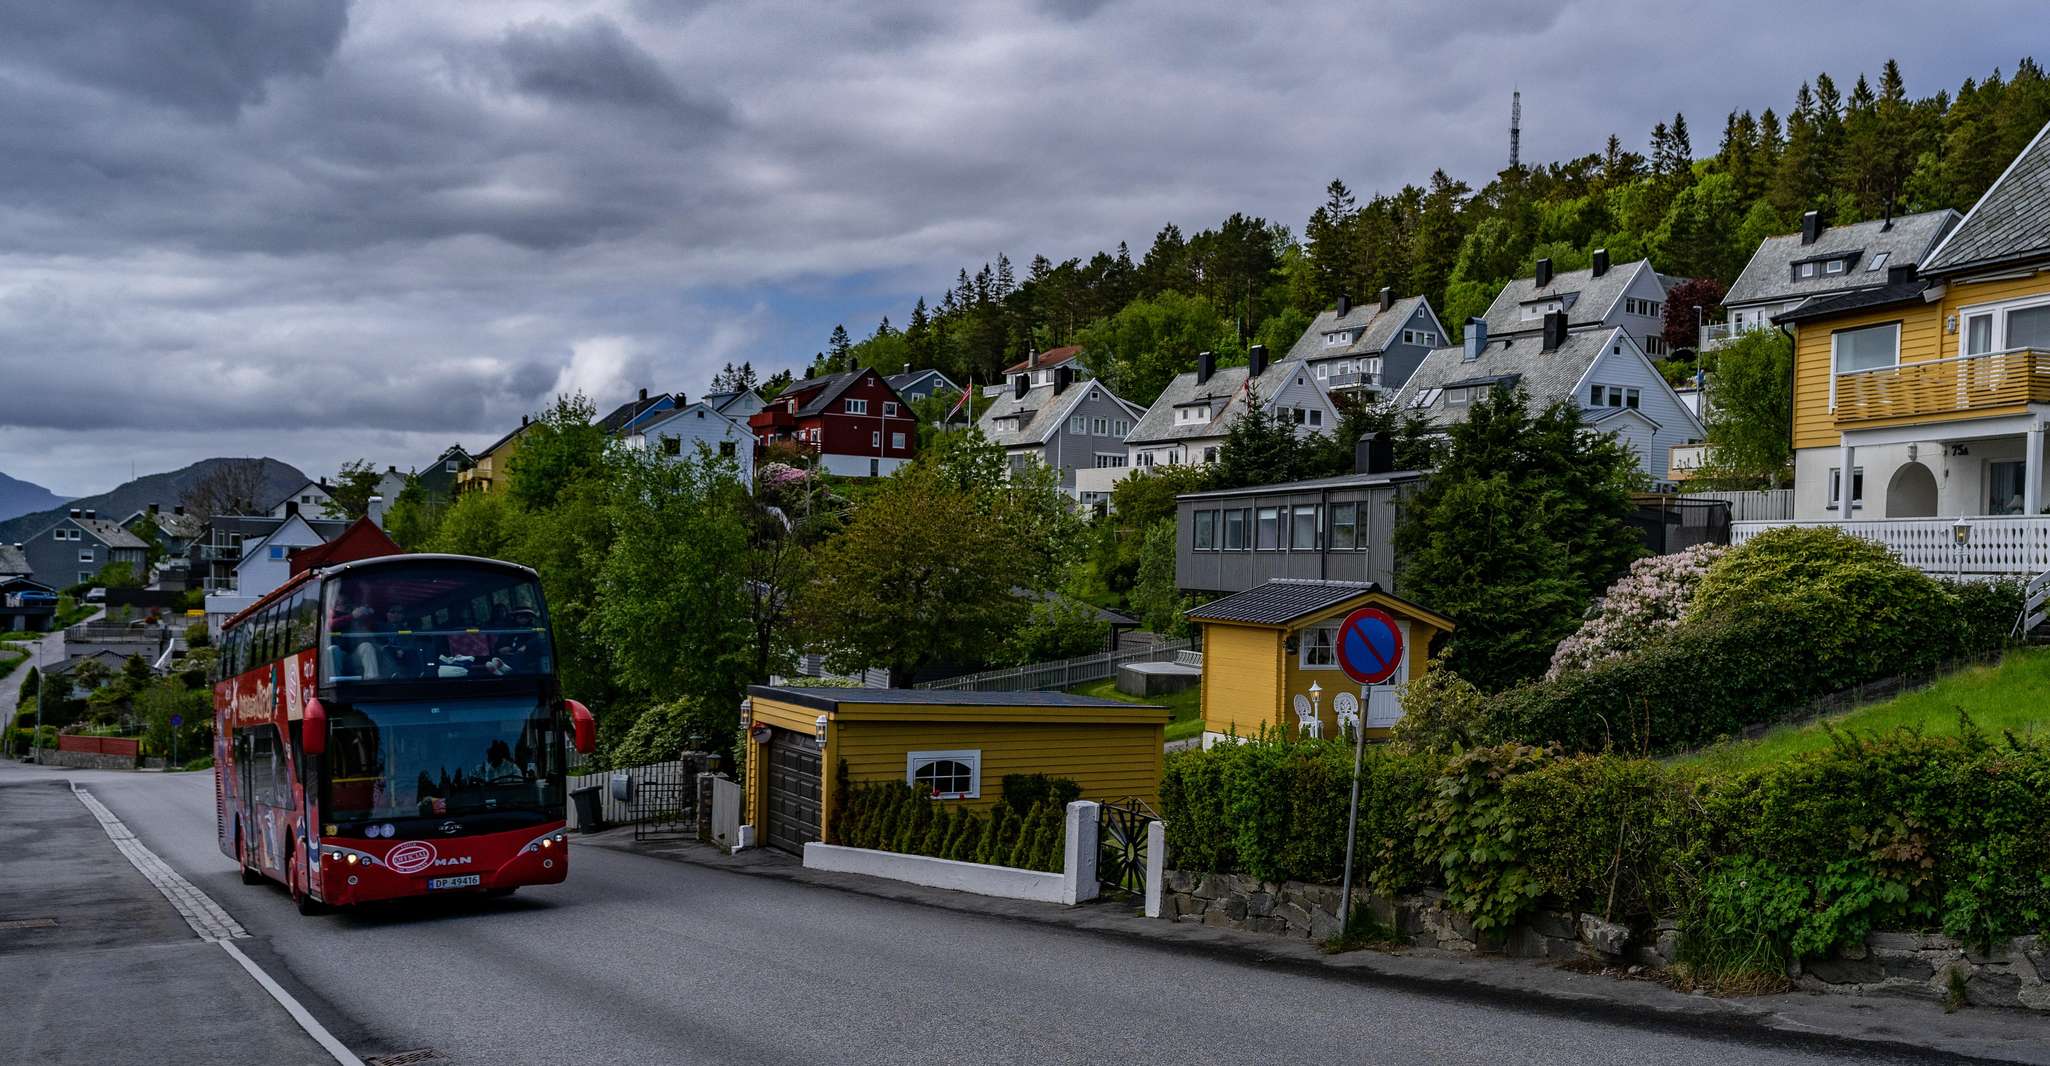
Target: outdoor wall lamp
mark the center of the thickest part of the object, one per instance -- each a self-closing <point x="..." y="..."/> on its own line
<point x="819" y="732"/>
<point x="1961" y="532"/>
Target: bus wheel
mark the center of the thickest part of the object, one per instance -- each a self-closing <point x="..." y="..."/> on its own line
<point x="302" y="898"/>
<point x="250" y="875"/>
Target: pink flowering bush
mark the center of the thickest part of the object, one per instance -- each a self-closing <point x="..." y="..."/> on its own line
<point x="1650" y="599"/>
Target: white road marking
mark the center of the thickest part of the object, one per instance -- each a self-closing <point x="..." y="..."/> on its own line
<point x="206" y="918"/>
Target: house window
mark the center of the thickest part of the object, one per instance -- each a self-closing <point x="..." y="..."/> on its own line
<point x="857" y="407"/>
<point x="1424" y="398"/>
<point x="948" y="774"/>
<point x="449" y="466"/>
<point x="1120" y="427"/>
<point x="1100" y="426"/>
<point x="277" y="552"/>
<point x="1206" y="530"/>
<point x="889" y="408"/>
<point x="1299" y="415"/>
<point x="1269" y="530"/>
<point x="1337" y="340"/>
<point x="1316" y="417"/>
<point x="875" y="438"/>
<point x="1210" y="453"/>
<point x="1233" y="535"/>
<point x="896" y="440"/>
<point x="672" y="445"/>
<point x="1323" y="371"/>
<point x="1834" y="266"/>
<point x="85" y="556"/>
<point x="1836" y="484"/>
<point x="1978" y="334"/>
<point x="1878" y="262"/>
<point x="1655" y="344"/>
<point x="1318" y="650"/>
<point x="1344" y="526"/>
<point x="84" y="576"/>
<point x="1807" y="270"/>
<point x="875" y="468"/>
<point x="1076" y="424"/>
<point x="728" y="449"/>
<point x="1455" y="396"/>
<point x="1305" y="538"/>
<point x="1868" y="348"/>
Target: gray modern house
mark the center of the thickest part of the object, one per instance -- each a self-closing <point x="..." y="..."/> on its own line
<point x="72" y="551"/>
<point x="1822" y="260"/>
<point x="1067" y="424"/>
<point x="1369" y="349"/>
<point x="1334" y="529"/>
<point x="1630" y="296"/>
<point x="918" y="384"/>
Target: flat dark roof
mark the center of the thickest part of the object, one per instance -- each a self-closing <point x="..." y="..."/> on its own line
<point x="827" y="698"/>
<point x="1341" y="481"/>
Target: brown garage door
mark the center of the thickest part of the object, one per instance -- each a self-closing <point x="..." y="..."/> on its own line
<point x="793" y="791"/>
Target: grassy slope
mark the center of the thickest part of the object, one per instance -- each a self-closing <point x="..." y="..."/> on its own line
<point x="2007" y="696"/>
<point x="1186" y="705"/>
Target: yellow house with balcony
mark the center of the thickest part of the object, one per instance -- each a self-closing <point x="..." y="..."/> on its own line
<point x="1932" y="389"/>
<point x="490" y="466"/>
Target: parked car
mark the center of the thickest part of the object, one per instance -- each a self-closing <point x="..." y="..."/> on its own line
<point x="98" y="595"/>
<point x="36" y="599"/>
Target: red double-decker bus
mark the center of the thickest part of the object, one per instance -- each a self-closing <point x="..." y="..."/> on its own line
<point x="393" y="727"/>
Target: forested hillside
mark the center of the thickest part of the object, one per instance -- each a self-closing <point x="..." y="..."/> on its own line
<point x="1852" y="154"/>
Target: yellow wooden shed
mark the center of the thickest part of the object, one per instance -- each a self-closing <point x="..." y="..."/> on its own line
<point x="960" y="744"/>
<point x="1267" y="645"/>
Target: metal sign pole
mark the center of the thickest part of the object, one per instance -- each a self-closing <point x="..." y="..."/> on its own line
<point x="1352" y="818"/>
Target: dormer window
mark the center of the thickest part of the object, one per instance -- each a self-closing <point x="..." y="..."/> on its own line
<point x="1833" y="266"/>
<point x="1338" y="340"/>
<point x="1192" y="413"/>
<point x="1534" y="311"/>
<point x="1807" y="270"/>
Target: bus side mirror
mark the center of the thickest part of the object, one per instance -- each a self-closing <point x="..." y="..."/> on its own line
<point x="313" y="729"/>
<point x="587" y="727"/>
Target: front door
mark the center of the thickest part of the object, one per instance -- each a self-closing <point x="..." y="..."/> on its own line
<point x="793" y="791"/>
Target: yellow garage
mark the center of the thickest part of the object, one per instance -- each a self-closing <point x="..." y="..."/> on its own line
<point x="1267" y="647"/>
<point x="959" y="744"/>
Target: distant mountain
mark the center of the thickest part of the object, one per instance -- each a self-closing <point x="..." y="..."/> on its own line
<point x="272" y="480"/>
<point x="20" y="497"/>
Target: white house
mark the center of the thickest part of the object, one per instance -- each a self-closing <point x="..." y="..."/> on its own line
<point x="678" y="432"/>
<point x="266" y="562"/>
<point x="1188" y="423"/>
<point x="308" y="499"/>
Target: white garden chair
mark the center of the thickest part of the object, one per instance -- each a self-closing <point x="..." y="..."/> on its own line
<point x="1306" y="718"/>
<point x="1347" y="707"/>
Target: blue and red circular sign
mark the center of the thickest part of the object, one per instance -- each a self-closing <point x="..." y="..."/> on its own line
<point x="1369" y="646"/>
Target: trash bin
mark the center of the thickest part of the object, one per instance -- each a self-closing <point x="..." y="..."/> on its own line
<point x="590" y="814"/>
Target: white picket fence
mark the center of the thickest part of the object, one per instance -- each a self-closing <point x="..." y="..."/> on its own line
<point x="1061" y="673"/>
<point x="1993" y="546"/>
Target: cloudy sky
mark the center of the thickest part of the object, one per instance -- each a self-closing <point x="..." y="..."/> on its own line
<point x="318" y="229"/>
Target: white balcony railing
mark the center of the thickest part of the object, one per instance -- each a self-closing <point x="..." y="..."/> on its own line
<point x="1994" y="545"/>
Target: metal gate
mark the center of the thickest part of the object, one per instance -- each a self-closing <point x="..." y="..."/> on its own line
<point x="1121" y="846"/>
<point x="793" y="791"/>
<point x="665" y="797"/>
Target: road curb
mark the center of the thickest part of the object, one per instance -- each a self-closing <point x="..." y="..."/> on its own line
<point x="1823" y="1023"/>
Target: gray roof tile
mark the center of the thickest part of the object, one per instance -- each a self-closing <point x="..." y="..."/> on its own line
<point x="1376" y="328"/>
<point x="1860" y="299"/>
<point x="1769" y="276"/>
<point x="1224" y="392"/>
<point x="1043" y="408"/>
<point x="13" y="561"/>
<point x="1280" y="602"/>
<point x="2011" y="222"/>
<point x="1546" y="376"/>
<point x="1587" y="298"/>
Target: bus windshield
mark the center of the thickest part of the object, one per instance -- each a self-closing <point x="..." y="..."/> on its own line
<point x="423" y="758"/>
<point x="433" y="620"/>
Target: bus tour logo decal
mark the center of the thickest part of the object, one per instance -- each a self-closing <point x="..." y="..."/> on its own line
<point x="411" y="857"/>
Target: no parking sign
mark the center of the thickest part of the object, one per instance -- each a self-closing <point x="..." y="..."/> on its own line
<point x="1369" y="646"/>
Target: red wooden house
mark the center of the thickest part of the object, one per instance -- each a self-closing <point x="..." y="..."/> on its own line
<point x="854" y="423"/>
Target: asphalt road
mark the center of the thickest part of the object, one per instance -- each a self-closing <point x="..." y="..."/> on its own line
<point x="639" y="960"/>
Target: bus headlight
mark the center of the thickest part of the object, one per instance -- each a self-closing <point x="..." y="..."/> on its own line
<point x="387" y="830"/>
<point x="547" y="842"/>
<point x="352" y="859"/>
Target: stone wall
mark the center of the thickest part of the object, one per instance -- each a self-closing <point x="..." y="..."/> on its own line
<point x="88" y="760"/>
<point x="2012" y="974"/>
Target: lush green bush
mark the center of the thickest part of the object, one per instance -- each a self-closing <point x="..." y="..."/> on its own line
<point x="1794" y="860"/>
<point x="1026" y="791"/>
<point x="893" y="816"/>
<point x="1441" y="710"/>
<point x="1791" y="615"/>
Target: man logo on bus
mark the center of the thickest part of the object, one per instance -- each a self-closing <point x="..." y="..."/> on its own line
<point x="411" y="857"/>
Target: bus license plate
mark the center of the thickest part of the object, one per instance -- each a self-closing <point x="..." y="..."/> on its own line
<point x="466" y="881"/>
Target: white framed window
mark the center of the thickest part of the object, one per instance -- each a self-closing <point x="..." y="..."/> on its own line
<point x="1833" y="266"/>
<point x="1304" y="525"/>
<point x="1865" y="348"/>
<point x="1205" y="536"/>
<point x="1316" y="416"/>
<point x="1210" y="453"/>
<point x="1337" y="340"/>
<point x="1120" y="427"/>
<point x="1807" y="270"/>
<point x="450" y="466"/>
<point x="1655" y="345"/>
<point x="896" y="440"/>
<point x="1268" y="529"/>
<point x="948" y="774"/>
<point x="1110" y="460"/>
<point x="857" y="407"/>
<point x="85" y="556"/>
<point x="1194" y="413"/>
<point x="2005" y="327"/>
<point x="1323" y="371"/>
<point x="1076" y="424"/>
<point x="1099" y="426"/>
<point x="1316" y="648"/>
<point x="1455" y="396"/>
<point x="1878" y="262"/>
<point x="1836" y="487"/>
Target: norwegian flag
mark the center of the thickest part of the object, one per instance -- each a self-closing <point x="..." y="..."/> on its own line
<point x="966" y="400"/>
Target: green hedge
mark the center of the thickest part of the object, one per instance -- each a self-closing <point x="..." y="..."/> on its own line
<point x="893" y="816"/>
<point x="1902" y="831"/>
<point x="1793" y="615"/>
